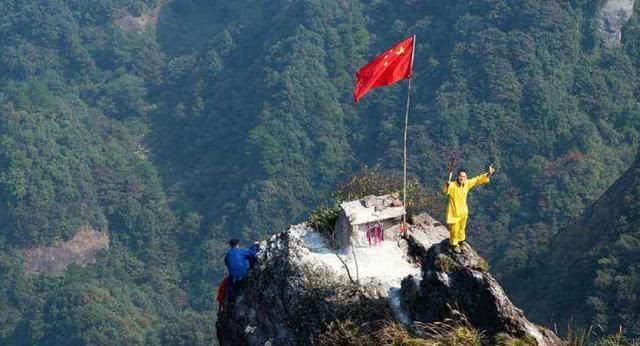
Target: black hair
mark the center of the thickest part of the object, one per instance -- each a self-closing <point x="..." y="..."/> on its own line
<point x="234" y="242"/>
<point x="462" y="170"/>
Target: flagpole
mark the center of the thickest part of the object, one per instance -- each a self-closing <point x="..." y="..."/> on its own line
<point x="406" y="127"/>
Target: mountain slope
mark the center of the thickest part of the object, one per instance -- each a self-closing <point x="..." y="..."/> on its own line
<point x="73" y="105"/>
<point x="256" y="125"/>
<point x="201" y="120"/>
<point x="590" y="272"/>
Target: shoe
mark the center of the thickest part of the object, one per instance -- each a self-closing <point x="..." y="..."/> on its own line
<point x="456" y="248"/>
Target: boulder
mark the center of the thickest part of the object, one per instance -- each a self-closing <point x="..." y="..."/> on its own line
<point x="459" y="284"/>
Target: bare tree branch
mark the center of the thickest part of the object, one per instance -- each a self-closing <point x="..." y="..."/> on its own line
<point x="334" y="245"/>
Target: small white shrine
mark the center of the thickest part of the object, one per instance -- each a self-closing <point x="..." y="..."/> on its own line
<point x="369" y="221"/>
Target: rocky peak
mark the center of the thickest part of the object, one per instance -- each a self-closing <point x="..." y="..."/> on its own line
<point x="300" y="286"/>
<point x="612" y="16"/>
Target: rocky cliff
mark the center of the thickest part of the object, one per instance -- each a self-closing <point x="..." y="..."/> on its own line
<point x="612" y="16"/>
<point x="300" y="288"/>
<point x="455" y="285"/>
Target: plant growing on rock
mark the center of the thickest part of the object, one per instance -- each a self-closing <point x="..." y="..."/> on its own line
<point x="323" y="219"/>
<point x="379" y="182"/>
<point x="445" y="263"/>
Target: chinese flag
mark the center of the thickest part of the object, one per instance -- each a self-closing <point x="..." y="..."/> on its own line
<point x="393" y="65"/>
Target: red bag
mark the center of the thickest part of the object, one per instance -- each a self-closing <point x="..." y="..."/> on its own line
<point x="222" y="290"/>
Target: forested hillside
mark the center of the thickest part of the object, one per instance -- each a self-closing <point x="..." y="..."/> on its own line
<point x="173" y="125"/>
<point x="526" y="85"/>
<point x="75" y="94"/>
<point x="595" y="279"/>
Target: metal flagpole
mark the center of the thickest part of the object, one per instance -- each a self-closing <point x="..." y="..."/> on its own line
<point x="406" y="126"/>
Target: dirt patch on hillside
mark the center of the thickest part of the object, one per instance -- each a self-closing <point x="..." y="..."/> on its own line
<point x="81" y="250"/>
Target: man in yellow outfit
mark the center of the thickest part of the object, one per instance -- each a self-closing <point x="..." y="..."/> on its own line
<point x="457" y="210"/>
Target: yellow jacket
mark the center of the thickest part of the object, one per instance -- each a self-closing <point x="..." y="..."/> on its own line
<point x="457" y="206"/>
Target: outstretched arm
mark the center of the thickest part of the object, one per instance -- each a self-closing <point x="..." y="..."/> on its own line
<point x="482" y="179"/>
<point x="251" y="252"/>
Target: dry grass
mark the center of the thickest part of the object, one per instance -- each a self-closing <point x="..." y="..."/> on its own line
<point x="393" y="333"/>
<point x="617" y="340"/>
<point x="330" y="297"/>
<point x="585" y="337"/>
<point x="457" y="332"/>
<point x="387" y="332"/>
<point x="578" y="337"/>
<point x="506" y="340"/>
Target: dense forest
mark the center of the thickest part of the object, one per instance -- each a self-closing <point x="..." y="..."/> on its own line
<point x="599" y="282"/>
<point x="174" y="125"/>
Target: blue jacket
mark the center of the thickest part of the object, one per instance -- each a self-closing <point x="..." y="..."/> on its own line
<point x="237" y="261"/>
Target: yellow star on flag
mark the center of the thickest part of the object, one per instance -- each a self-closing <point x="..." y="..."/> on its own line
<point x="394" y="64"/>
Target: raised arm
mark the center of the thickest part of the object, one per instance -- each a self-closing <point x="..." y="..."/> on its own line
<point x="481" y="179"/>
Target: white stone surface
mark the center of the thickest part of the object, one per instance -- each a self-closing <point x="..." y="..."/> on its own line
<point x="385" y="263"/>
<point x="358" y="214"/>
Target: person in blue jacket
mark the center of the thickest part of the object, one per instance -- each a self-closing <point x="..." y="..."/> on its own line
<point x="238" y="261"/>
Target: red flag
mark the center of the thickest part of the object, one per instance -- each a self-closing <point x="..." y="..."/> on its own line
<point x="393" y="65"/>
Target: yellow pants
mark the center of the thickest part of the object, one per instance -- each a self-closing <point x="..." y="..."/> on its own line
<point x="456" y="231"/>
